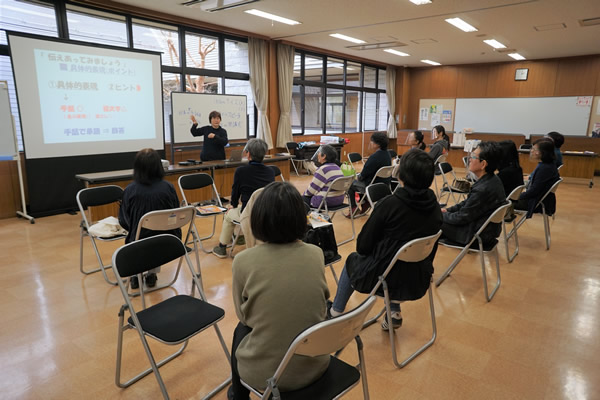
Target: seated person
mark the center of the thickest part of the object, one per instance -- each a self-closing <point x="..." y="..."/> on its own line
<point x="381" y="158"/>
<point x="246" y="180"/>
<point x="415" y="140"/>
<point x="558" y="141"/>
<point x="509" y="170"/>
<point x="462" y="220"/>
<point x="327" y="172"/>
<point x="541" y="179"/>
<point x="441" y="144"/>
<point x="279" y="290"/>
<point x="411" y="212"/>
<point x="148" y="192"/>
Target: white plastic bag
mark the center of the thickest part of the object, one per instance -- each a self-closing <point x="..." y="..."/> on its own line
<point x="107" y="228"/>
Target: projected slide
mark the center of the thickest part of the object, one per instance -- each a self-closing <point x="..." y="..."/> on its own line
<point x="79" y="99"/>
<point x="86" y="98"/>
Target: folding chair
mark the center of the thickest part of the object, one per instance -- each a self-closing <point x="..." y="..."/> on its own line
<point x="383" y="173"/>
<point x="327" y="337"/>
<point x="191" y="184"/>
<point x="513" y="196"/>
<point x="450" y="189"/>
<point x="172" y="321"/>
<point x="277" y="172"/>
<point x="437" y="171"/>
<point x="393" y="154"/>
<point x="376" y="192"/>
<point x="545" y="216"/>
<point x="414" y="251"/>
<point x="354" y="157"/>
<point x="166" y="220"/>
<point x="525" y="146"/>
<point x="340" y="185"/>
<point x="91" y="197"/>
<point x="291" y="148"/>
<point x="496" y="218"/>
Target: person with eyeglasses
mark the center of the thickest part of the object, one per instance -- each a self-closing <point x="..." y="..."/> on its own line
<point x="462" y="220"/>
<point x="541" y="179"/>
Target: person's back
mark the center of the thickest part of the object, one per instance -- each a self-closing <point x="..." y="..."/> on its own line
<point x="509" y="170"/>
<point x="326" y="174"/>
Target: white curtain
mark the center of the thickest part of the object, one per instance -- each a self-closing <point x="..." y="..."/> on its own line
<point x="257" y="58"/>
<point x="285" y="73"/>
<point x="390" y="89"/>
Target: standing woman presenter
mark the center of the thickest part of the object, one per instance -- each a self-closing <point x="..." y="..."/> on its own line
<point x="215" y="137"/>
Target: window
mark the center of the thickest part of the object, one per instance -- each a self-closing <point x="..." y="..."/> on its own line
<point x="242" y="87"/>
<point x="171" y="83"/>
<point x="20" y="16"/>
<point x="201" y="51"/>
<point x="345" y="96"/>
<point x="99" y="27"/>
<point x="236" y="56"/>
<point x="157" y="37"/>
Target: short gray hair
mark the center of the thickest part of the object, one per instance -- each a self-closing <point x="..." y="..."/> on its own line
<point x="257" y="149"/>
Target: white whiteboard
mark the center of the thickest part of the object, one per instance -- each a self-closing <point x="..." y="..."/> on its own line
<point x="8" y="147"/>
<point x="532" y="115"/>
<point x="231" y="107"/>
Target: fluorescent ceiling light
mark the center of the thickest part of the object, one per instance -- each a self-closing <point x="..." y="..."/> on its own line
<point x="272" y="17"/>
<point x="462" y="25"/>
<point x="430" y="62"/>
<point x="495" y="44"/>
<point x="420" y="2"/>
<point x="396" y="52"/>
<point x="516" y="56"/>
<point x="348" y="38"/>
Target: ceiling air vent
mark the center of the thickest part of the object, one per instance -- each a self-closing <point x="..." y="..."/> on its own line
<point x="550" y="27"/>
<point x="505" y="51"/>
<point x="374" y="46"/>
<point x="589" y="21"/>
<point x="216" y="5"/>
<point x="424" y="41"/>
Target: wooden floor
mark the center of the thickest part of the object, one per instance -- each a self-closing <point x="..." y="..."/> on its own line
<point x="539" y="338"/>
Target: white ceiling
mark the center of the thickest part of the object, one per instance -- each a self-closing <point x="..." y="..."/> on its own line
<point x="511" y="22"/>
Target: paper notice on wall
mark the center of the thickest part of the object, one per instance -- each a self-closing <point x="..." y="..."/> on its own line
<point x="423" y="114"/>
<point x="447" y="116"/>
<point x="598" y="108"/>
<point x="435" y="119"/>
<point x="584" y="100"/>
<point x="439" y="109"/>
<point x="433" y="109"/>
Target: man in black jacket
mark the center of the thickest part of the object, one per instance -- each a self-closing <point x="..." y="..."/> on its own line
<point x="381" y="158"/>
<point x="462" y="220"/>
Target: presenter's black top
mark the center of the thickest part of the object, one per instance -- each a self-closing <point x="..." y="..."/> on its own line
<point x="213" y="149"/>
<point x="139" y="199"/>
<point x="247" y="179"/>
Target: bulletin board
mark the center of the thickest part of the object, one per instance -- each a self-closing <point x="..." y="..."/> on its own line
<point x="434" y="112"/>
<point x="594" y="117"/>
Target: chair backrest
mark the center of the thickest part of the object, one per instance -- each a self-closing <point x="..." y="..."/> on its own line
<point x="166" y="220"/>
<point x="442" y="158"/>
<point x="197" y="181"/>
<point x="525" y="147"/>
<point x="338" y="186"/>
<point x="277" y="171"/>
<point x="144" y="254"/>
<point x="328" y="336"/>
<point x="559" y="167"/>
<point x="354" y="157"/>
<point x="393" y="154"/>
<point x="551" y="190"/>
<point x="495" y="218"/>
<point x="291" y="146"/>
<point x="383" y="172"/>
<point x="465" y="160"/>
<point x="377" y="191"/>
<point x="98" y="196"/>
<point x="516" y="192"/>
<point x="414" y="251"/>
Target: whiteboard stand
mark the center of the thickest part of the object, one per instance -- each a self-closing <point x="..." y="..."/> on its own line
<point x="17" y="157"/>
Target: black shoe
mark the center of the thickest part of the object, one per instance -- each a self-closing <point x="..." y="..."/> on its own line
<point x="396" y="323"/>
<point x="151" y="279"/>
<point x="134" y="283"/>
<point x="329" y="305"/>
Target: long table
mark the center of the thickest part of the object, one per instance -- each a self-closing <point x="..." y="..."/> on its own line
<point x="221" y="171"/>
<point x="575" y="165"/>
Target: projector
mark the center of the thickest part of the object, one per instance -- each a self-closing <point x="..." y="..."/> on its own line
<point x="165" y="164"/>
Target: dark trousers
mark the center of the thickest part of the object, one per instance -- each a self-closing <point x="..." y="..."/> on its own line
<point x="240" y="392"/>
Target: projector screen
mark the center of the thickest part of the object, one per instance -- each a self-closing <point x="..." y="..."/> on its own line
<point x="79" y="99"/>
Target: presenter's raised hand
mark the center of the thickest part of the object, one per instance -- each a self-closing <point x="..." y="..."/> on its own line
<point x="211" y="135"/>
<point x="193" y="119"/>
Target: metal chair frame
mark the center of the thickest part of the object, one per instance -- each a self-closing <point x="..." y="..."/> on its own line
<point x="277" y="172"/>
<point x="449" y="189"/>
<point x="166" y="220"/>
<point x="154" y="366"/>
<point x="198" y="181"/>
<point x="496" y="217"/>
<point x="442" y="158"/>
<point x="513" y="196"/>
<point x="341" y="185"/>
<point x="414" y="251"/>
<point x="293" y="145"/>
<point x="383" y="172"/>
<point x="91" y="197"/>
<point x="376" y="192"/>
<point x="327" y="337"/>
<point x="355" y="157"/>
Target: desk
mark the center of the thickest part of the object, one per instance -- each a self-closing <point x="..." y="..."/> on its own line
<point x="575" y="165"/>
<point x="222" y="172"/>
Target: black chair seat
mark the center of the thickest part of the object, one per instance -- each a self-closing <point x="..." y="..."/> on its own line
<point x="474" y="247"/>
<point x="199" y="214"/>
<point x="337" y="378"/>
<point x="455" y="190"/>
<point x="337" y="208"/>
<point x="177" y="318"/>
<point x="335" y="259"/>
